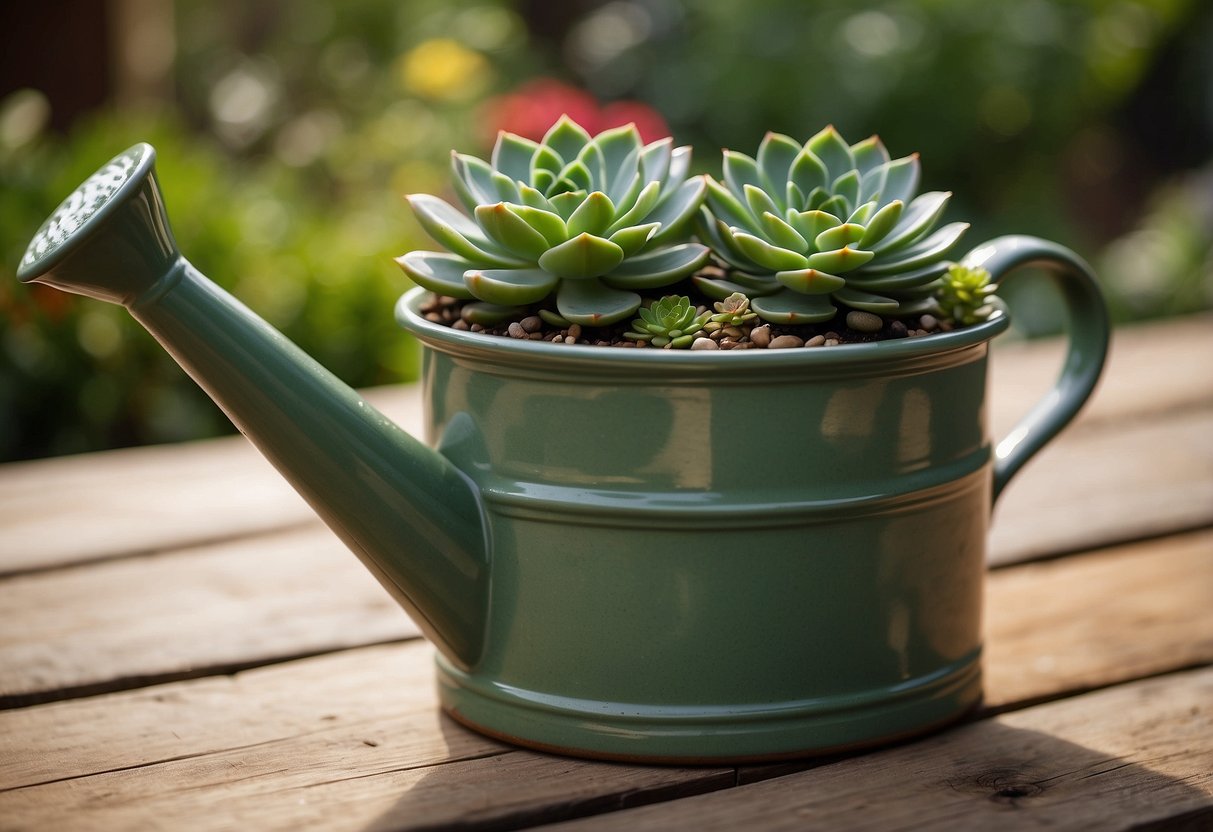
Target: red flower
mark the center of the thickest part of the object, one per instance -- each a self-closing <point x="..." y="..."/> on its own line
<point x="535" y="106"/>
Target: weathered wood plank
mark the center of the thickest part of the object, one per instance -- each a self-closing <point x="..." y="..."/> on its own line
<point x="141" y="500"/>
<point x="355" y="735"/>
<point x="346" y="741"/>
<point x="1137" y="754"/>
<point x="152" y="499"/>
<point x="128" y="622"/>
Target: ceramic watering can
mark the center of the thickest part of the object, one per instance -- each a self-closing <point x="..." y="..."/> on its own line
<point x="633" y="554"/>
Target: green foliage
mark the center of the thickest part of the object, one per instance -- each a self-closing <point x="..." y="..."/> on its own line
<point x="806" y="225"/>
<point x="591" y="220"/>
<point x="670" y="322"/>
<point x="733" y="310"/>
<point x="964" y="295"/>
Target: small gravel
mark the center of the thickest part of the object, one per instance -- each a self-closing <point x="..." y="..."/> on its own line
<point x="516" y="330"/>
<point x="861" y="321"/>
<point x="704" y="344"/>
<point x="784" y="342"/>
<point x="761" y="336"/>
<point x="532" y="323"/>
<point x="815" y="341"/>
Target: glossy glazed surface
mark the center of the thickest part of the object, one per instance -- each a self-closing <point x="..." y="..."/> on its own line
<point x="641" y="554"/>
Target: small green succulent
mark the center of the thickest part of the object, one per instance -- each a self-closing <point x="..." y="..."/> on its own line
<point x="733" y="310"/>
<point x="590" y="220"/>
<point x="671" y="321"/>
<point x="805" y="227"/>
<point x="964" y="295"/>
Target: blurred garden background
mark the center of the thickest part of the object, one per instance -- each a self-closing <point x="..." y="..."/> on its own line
<point x="288" y="131"/>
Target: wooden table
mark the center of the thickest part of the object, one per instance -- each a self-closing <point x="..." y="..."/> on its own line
<point x="184" y="647"/>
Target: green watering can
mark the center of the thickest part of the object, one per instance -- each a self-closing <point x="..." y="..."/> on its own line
<point x="647" y="555"/>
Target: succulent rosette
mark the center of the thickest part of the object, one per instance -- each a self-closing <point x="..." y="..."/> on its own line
<point x="590" y="220"/>
<point x="806" y="227"/>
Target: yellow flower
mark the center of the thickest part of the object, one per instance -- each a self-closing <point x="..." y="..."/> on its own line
<point x="443" y="69"/>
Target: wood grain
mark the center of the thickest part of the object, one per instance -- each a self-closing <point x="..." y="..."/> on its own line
<point x="1136" y="754"/>
<point x="356" y="735"/>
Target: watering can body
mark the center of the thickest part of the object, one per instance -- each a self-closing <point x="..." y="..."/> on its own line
<point x="633" y="554"/>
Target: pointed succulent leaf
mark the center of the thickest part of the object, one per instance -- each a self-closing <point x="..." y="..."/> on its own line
<point x="810" y="281"/>
<point x="534" y="198"/>
<point x="833" y="152"/>
<point x="617" y="144"/>
<point x="866" y="301"/>
<point x="457" y="233"/>
<point x="628" y="192"/>
<point x="508" y="229"/>
<point x="544" y="180"/>
<point x="921" y="253"/>
<point x="659" y="268"/>
<point x="728" y="208"/>
<point x="717" y="289"/>
<point x="902" y="181"/>
<point x="871" y="184"/>
<point x="840" y="261"/>
<point x="793" y="197"/>
<point x="490" y="314"/>
<point x="782" y="234"/>
<point x="512" y="156"/>
<point x="547" y="223"/>
<point x="740" y="170"/>
<point x="718" y="237"/>
<point x="757" y="285"/>
<point x="566" y="203"/>
<point x="918" y="306"/>
<point x="810" y="224"/>
<point x="566" y="137"/>
<point x="634" y="238"/>
<point x="592" y="216"/>
<point x="591" y="157"/>
<point x="918" y="218"/>
<point x="511" y="287"/>
<point x="623" y="180"/>
<point x="680" y="166"/>
<point x="836" y="205"/>
<point x="839" y="236"/>
<point x="768" y="256"/>
<point x="788" y="307"/>
<point x="808" y="174"/>
<point x="847" y="187"/>
<point x="438" y="271"/>
<point x="581" y="257"/>
<point x="862" y="214"/>
<point x="506" y="188"/>
<point x="473" y="180"/>
<point x="776" y="154"/>
<point x="899" y="281"/>
<point x="646" y="200"/>
<point x="590" y="303"/>
<point x="758" y="201"/>
<point x="816" y="198"/>
<point x="574" y="177"/>
<point x="655" y="160"/>
<point x="675" y="209"/>
<point x="881" y="223"/>
<point x="869" y="153"/>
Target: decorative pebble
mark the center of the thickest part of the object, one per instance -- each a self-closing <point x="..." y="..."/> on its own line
<point x="861" y="321"/>
<point x="516" y="330"/>
<point x="834" y="335"/>
<point x="733" y="332"/>
<point x="897" y="329"/>
<point x="815" y="341"/>
<point x="476" y="328"/>
<point x="761" y="336"/>
<point x="704" y="344"/>
<point x="569" y="339"/>
<point x="784" y="342"/>
<point x="532" y="323"/>
<point x="434" y="317"/>
<point x="575" y="330"/>
<point x="461" y="325"/>
<point x="831" y="342"/>
<point x="928" y="322"/>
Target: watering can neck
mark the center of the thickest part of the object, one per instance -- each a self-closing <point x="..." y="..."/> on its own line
<point x="408" y="513"/>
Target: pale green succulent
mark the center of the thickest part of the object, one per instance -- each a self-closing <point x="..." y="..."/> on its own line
<point x="590" y="220"/>
<point x="671" y="321"/>
<point x="964" y="295"/>
<point x="733" y="310"/>
<point x="805" y="227"/>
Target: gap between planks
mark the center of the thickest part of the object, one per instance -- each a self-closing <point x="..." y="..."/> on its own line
<point x="355" y="736"/>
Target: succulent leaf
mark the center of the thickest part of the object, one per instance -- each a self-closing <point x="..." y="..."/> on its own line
<point x="881" y="223"/>
<point x="758" y="201"/>
<point x="646" y="200"/>
<point x="473" y="180"/>
<point x="782" y="234"/>
<point x="846" y="187"/>
<point x="839" y="236"/>
<point x="918" y="218"/>
<point x="634" y="238"/>
<point x="581" y="257"/>
<point x="566" y="203"/>
<point x="869" y="153"/>
<point x="811" y="281"/>
<point x="566" y="137"/>
<point x="676" y="208"/>
<point x="866" y="301"/>
<point x="902" y="181"/>
<point x="810" y="224"/>
<point x="840" y="260"/>
<point x="547" y="223"/>
<point x="438" y="271"/>
<point x="593" y="215"/>
<point x="616" y="145"/>
<point x="922" y="252"/>
<point x="510" y="231"/>
<point x="659" y="268"/>
<point x="510" y="287"/>
<point x="964" y="294"/>
<point x="808" y="174"/>
<point x="591" y="303"/>
<point x="766" y="255"/>
<point x="457" y="233"/>
<point x="740" y="170"/>
<point x="793" y="308"/>
<point x="834" y="153"/>
<point x="776" y="153"/>
<point x="655" y="160"/>
<point x="512" y="156"/>
<point x="728" y="208"/>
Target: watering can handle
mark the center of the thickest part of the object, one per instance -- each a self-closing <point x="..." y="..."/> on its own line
<point x="1087" y="330"/>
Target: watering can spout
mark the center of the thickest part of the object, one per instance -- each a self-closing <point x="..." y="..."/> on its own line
<point x="411" y="516"/>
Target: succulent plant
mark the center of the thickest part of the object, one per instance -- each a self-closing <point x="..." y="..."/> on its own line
<point x="733" y="310"/>
<point x="805" y="227"/>
<point x="671" y="321"/>
<point x="590" y="220"/>
<point x="964" y="294"/>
